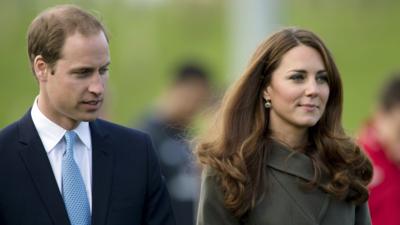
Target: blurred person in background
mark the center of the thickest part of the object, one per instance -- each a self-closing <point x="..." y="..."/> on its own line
<point x="169" y="124"/>
<point x="278" y="153"/>
<point x="380" y="138"/>
<point x="60" y="164"/>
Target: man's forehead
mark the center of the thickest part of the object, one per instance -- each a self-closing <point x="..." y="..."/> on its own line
<point x="78" y="41"/>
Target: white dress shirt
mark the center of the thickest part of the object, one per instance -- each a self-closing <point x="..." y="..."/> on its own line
<point x="52" y="136"/>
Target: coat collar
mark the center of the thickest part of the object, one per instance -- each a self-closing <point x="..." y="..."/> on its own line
<point x="289" y="161"/>
<point x="313" y="203"/>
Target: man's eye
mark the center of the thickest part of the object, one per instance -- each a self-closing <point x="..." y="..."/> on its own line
<point x="103" y="71"/>
<point x="82" y="72"/>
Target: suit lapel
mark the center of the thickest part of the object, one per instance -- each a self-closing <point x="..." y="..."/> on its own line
<point x="102" y="158"/>
<point x="37" y="163"/>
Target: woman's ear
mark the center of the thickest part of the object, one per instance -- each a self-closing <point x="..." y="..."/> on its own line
<point x="41" y="68"/>
<point x="266" y="94"/>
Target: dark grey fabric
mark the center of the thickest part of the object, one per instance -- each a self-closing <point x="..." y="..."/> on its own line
<point x="287" y="201"/>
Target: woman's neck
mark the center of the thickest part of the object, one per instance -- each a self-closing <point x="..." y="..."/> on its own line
<point x="294" y="138"/>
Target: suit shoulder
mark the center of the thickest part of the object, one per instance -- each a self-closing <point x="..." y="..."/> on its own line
<point x="10" y="129"/>
<point x="125" y="141"/>
<point x="116" y="129"/>
<point x="9" y="136"/>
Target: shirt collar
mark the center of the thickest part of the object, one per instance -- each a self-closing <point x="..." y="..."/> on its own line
<point x="50" y="133"/>
<point x="83" y="132"/>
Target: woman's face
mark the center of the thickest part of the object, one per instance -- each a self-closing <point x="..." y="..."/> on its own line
<point x="298" y="90"/>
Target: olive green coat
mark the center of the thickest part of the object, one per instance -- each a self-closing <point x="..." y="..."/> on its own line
<point x="286" y="202"/>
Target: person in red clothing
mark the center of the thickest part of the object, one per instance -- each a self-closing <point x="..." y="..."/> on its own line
<point x="380" y="138"/>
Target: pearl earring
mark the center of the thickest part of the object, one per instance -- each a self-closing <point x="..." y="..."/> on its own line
<point x="267" y="104"/>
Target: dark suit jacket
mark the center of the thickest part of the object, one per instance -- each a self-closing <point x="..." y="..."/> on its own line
<point x="286" y="202"/>
<point x="127" y="185"/>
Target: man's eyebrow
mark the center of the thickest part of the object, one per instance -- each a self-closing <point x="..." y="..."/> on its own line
<point x="88" y="68"/>
<point x="82" y="68"/>
<point x="106" y="65"/>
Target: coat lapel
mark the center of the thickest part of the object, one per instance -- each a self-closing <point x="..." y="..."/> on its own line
<point x="101" y="172"/>
<point x="37" y="163"/>
<point x="313" y="203"/>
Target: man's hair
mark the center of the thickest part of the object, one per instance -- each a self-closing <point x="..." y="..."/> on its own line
<point x="390" y="94"/>
<point x="48" y="31"/>
<point x="190" y="71"/>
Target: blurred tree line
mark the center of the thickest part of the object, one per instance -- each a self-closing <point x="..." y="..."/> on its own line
<point x="149" y="37"/>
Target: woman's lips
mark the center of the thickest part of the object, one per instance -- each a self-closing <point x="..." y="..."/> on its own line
<point x="309" y="107"/>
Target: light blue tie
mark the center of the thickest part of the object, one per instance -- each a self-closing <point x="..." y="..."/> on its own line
<point x="73" y="187"/>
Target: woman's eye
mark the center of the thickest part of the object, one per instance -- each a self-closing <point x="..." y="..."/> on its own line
<point x="297" y="77"/>
<point x="322" y="78"/>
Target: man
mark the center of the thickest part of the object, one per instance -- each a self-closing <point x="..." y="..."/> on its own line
<point x="61" y="165"/>
<point x="175" y="112"/>
<point x="380" y="138"/>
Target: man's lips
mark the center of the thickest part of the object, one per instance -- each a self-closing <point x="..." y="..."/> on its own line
<point x="92" y="102"/>
<point x="92" y="105"/>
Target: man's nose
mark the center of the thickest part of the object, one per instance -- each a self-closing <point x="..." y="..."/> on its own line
<point x="97" y="84"/>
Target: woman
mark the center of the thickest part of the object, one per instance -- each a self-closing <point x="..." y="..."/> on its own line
<point x="278" y="154"/>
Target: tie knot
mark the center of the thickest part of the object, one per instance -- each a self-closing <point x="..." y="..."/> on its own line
<point x="70" y="137"/>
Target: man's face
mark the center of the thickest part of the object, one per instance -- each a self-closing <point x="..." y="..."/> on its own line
<point x="388" y="125"/>
<point x="72" y="91"/>
<point x="190" y="97"/>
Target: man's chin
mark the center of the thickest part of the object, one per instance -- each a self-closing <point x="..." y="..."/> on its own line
<point x="89" y="120"/>
<point x="89" y="117"/>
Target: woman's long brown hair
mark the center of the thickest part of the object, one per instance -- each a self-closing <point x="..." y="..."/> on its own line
<point x="236" y="146"/>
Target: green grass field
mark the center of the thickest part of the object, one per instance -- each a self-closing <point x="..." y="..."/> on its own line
<point x="147" y="40"/>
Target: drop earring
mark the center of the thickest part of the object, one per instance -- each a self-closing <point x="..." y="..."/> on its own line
<point x="267" y="104"/>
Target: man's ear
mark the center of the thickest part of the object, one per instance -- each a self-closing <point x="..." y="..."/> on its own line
<point x="41" y="68"/>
